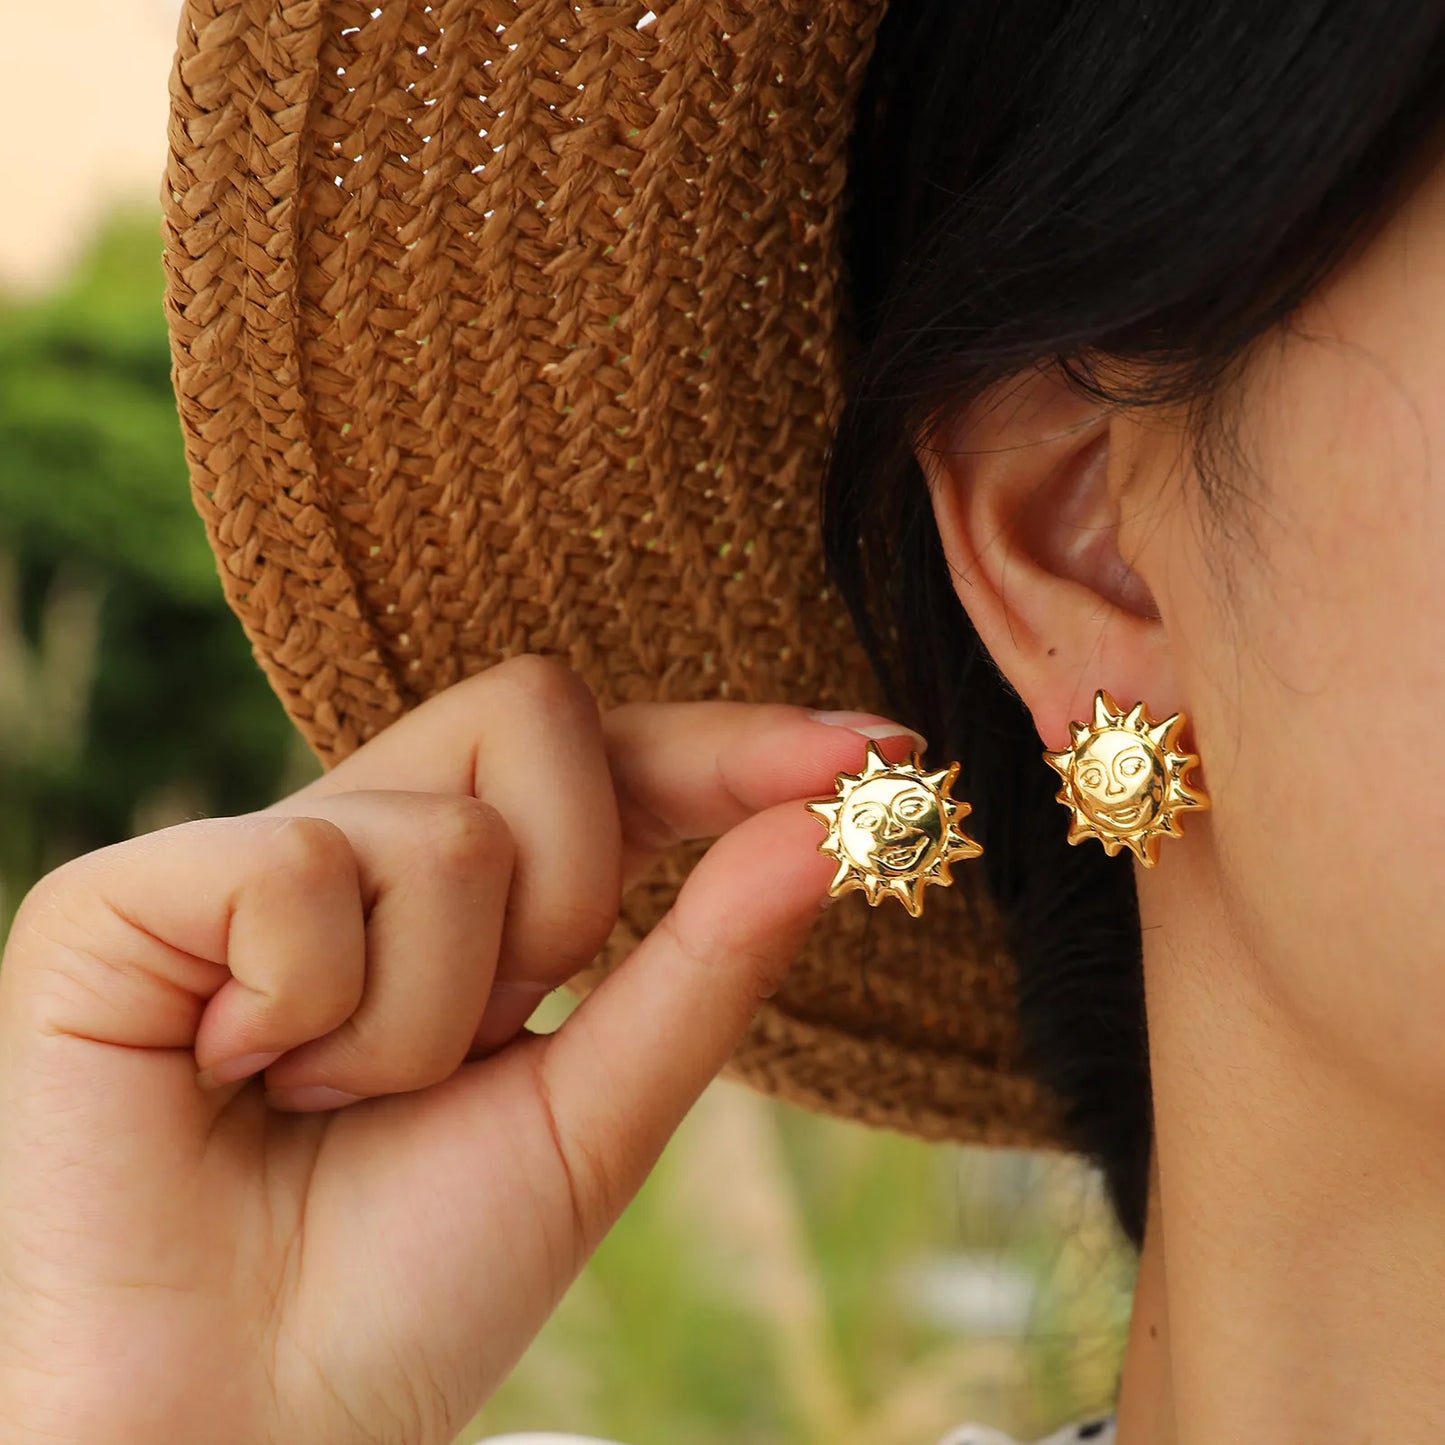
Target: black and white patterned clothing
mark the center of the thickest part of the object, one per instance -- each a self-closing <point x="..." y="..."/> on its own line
<point x="1098" y="1430"/>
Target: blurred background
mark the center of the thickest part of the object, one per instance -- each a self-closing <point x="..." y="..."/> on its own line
<point x="783" y="1279"/>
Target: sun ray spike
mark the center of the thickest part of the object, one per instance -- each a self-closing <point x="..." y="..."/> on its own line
<point x="1106" y="710"/>
<point x="876" y="762"/>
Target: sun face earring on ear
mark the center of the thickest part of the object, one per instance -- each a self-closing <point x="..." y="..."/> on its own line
<point x="893" y="829"/>
<point x="1124" y="779"/>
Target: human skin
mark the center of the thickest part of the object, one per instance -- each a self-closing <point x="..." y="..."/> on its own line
<point x="1292" y="1281"/>
<point x="185" y="1259"/>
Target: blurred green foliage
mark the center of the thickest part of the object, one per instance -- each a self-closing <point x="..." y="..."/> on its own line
<point x="128" y="695"/>
<point x="781" y="1279"/>
<point x="788" y="1279"/>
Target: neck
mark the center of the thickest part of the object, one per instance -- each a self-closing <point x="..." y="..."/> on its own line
<point x="1289" y="1287"/>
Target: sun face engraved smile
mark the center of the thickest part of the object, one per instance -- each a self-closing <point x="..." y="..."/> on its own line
<point x="893" y="829"/>
<point x="1119" y="817"/>
<point x="899" y="857"/>
<point x="1124" y="779"/>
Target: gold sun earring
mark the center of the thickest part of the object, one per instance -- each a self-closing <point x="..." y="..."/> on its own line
<point x="893" y="829"/>
<point x="1124" y="779"/>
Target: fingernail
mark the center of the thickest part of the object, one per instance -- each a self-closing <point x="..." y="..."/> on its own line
<point x="309" y="1097"/>
<point x="241" y="1067"/>
<point x="868" y="725"/>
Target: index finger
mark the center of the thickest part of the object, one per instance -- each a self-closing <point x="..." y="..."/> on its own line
<point x="697" y="769"/>
<point x="681" y="770"/>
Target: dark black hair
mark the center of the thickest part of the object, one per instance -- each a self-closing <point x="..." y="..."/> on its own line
<point x="1072" y="183"/>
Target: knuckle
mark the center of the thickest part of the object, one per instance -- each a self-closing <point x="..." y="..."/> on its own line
<point x="573" y="934"/>
<point x="70" y="908"/>
<point x="466" y="833"/>
<point x="311" y="851"/>
<point x="682" y="940"/>
<point x="43" y="921"/>
<point x="546" y="685"/>
<point x="42" y="899"/>
<point x="763" y="970"/>
<point x="76" y="879"/>
<point x="758" y="967"/>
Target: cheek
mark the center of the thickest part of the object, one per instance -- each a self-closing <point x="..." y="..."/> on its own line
<point x="858" y="842"/>
<point x="1099" y="799"/>
<point x="1319" y="640"/>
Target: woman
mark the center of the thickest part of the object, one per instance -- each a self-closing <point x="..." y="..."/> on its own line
<point x="1146" y="398"/>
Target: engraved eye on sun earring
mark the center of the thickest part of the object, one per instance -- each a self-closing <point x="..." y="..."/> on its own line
<point x="1124" y="779"/>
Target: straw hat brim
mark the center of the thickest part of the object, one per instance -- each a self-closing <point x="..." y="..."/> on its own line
<point x="507" y="328"/>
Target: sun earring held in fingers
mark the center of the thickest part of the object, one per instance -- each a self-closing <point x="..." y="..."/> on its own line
<point x="1123" y="778"/>
<point x="893" y="829"/>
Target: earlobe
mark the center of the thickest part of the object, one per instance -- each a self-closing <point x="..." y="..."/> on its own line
<point x="1026" y="485"/>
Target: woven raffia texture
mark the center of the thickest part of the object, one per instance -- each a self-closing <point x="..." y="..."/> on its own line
<point x="508" y="328"/>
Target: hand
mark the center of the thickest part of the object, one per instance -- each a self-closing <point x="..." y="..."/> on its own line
<point x="190" y="1259"/>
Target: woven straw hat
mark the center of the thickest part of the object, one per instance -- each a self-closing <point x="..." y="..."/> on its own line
<point x="505" y="327"/>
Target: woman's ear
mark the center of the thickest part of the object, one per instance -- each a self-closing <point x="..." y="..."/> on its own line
<point x="1028" y="485"/>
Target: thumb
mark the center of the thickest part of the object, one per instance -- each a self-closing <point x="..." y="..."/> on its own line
<point x="623" y="1070"/>
<point x="530" y="1155"/>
